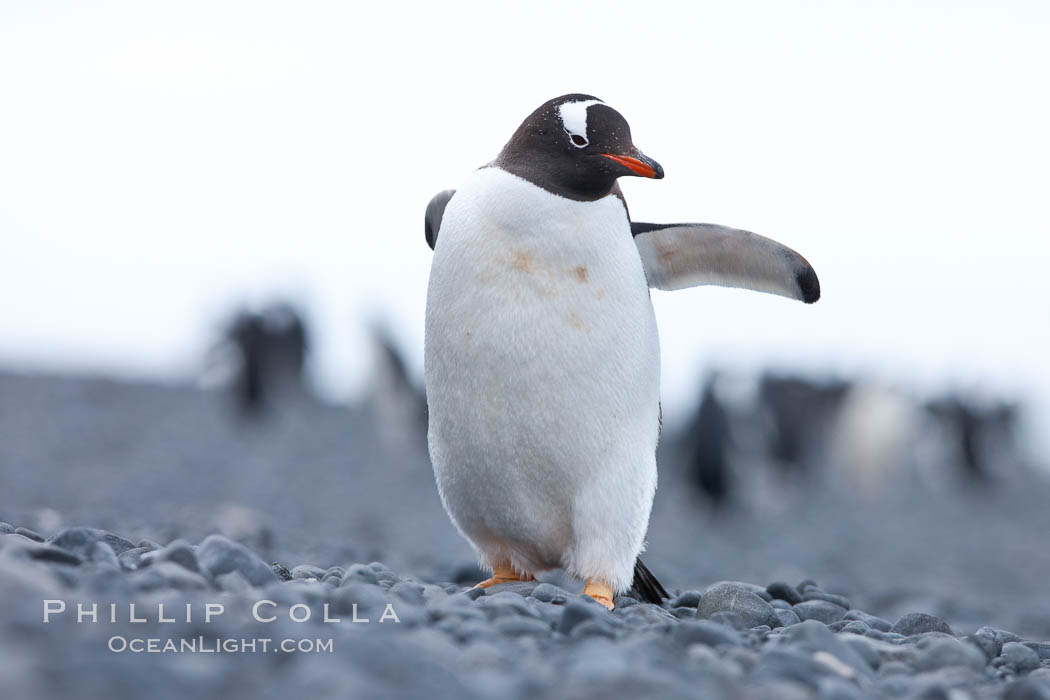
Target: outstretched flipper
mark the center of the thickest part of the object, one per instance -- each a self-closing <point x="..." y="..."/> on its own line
<point x="436" y="210"/>
<point x="676" y="256"/>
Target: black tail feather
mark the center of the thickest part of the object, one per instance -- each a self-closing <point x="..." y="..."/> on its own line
<point x="646" y="586"/>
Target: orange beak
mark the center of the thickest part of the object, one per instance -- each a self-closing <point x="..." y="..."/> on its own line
<point x="644" y="166"/>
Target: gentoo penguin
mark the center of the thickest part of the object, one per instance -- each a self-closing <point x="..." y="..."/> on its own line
<point x="542" y="360"/>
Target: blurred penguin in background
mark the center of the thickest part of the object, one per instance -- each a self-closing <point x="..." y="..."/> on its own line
<point x="802" y="416"/>
<point x="707" y="441"/>
<point x="397" y="402"/>
<point x="983" y="436"/>
<point x="264" y="353"/>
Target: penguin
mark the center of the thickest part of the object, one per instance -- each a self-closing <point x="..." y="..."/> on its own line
<point x="541" y="352"/>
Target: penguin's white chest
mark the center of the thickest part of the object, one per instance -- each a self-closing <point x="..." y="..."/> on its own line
<point x="542" y="374"/>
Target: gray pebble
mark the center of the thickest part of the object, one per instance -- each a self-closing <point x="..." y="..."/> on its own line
<point x="6" y="528"/>
<point x="549" y="593"/>
<point x="760" y="591"/>
<point x="166" y="575"/>
<point x="784" y="591"/>
<point x="1040" y="648"/>
<point x="787" y="617"/>
<point x="522" y="588"/>
<point x="38" y="551"/>
<point x="26" y="532"/>
<point x="987" y="641"/>
<point x="1020" y="657"/>
<point x="870" y="620"/>
<point x="917" y="623"/>
<point x="854" y="627"/>
<point x="706" y="632"/>
<point x="129" y="559"/>
<point x="819" y="610"/>
<point x="940" y="652"/>
<point x="864" y="649"/>
<point x="218" y="555"/>
<point x="686" y="599"/>
<point x="358" y="573"/>
<point x="179" y="552"/>
<point x="742" y="600"/>
<point x="305" y="571"/>
<point x="386" y="579"/>
<point x="474" y="593"/>
<point x="102" y="555"/>
<point x="80" y="540"/>
<point x="575" y="612"/>
<point x="839" y="600"/>
<point x="684" y="613"/>
<point x="731" y="618"/>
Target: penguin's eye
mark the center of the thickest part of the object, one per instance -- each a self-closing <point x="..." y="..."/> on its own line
<point x="579" y="140"/>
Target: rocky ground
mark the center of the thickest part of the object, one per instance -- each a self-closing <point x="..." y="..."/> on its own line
<point x="287" y="516"/>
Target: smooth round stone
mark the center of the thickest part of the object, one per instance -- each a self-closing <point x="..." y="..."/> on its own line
<point x="549" y="593"/>
<point x="940" y="652"/>
<point x="734" y="598"/>
<point x="219" y="555"/>
<point x="179" y="551"/>
<point x="987" y="641"/>
<point x="6" y="528"/>
<point x="784" y="591"/>
<point x="788" y="617"/>
<point x="522" y="588"/>
<point x="870" y="620"/>
<point x="1020" y="657"/>
<point x="841" y="601"/>
<point x="686" y="599"/>
<point x="129" y="560"/>
<point x="684" y="613"/>
<point x="819" y="610"/>
<point x="305" y="571"/>
<point x="917" y="623"/>
<point x="80" y="540"/>
<point x="575" y="612"/>
<point x="31" y="534"/>
<point x="854" y="627"/>
<point x="360" y="573"/>
<point x="474" y="593"/>
<point x="760" y="591"/>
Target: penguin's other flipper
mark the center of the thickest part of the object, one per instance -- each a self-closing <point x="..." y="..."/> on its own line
<point x="676" y="256"/>
<point x="436" y="210"/>
<point x="646" y="586"/>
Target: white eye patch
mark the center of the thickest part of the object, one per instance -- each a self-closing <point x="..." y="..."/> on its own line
<point x="573" y="117"/>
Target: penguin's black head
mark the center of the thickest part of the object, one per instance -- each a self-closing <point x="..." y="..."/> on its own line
<point x="575" y="146"/>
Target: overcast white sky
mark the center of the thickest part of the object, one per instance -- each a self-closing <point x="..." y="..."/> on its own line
<point x="159" y="162"/>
